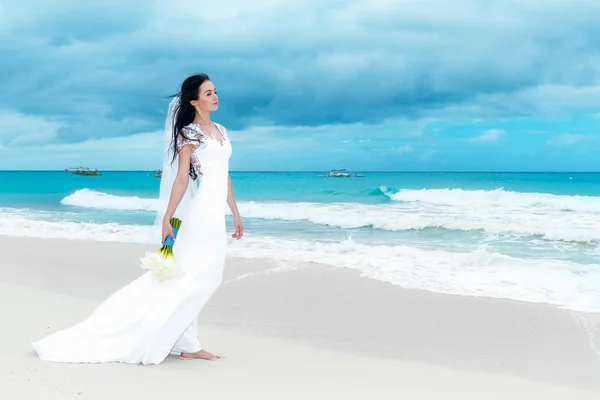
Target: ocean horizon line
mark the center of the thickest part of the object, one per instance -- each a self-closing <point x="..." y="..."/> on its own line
<point x="324" y="170"/>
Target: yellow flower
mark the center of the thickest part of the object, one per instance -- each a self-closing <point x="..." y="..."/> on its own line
<point x="162" y="263"/>
<point x="171" y="268"/>
<point x="151" y="261"/>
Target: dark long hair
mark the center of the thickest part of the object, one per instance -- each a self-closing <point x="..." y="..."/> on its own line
<point x="185" y="113"/>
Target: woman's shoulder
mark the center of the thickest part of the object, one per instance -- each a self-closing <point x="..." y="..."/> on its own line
<point x="187" y="135"/>
<point x="220" y="126"/>
<point x="191" y="127"/>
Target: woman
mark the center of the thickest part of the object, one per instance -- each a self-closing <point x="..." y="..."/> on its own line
<point x="149" y="319"/>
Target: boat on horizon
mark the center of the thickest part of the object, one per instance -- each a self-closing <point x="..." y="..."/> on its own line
<point x="342" y="173"/>
<point x="85" y="171"/>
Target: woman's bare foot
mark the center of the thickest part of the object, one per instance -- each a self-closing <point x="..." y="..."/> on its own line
<point x="199" y="355"/>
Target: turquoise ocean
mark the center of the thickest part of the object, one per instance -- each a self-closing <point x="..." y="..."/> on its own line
<point x="524" y="236"/>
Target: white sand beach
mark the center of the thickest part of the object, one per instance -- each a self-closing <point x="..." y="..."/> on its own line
<point x="293" y="331"/>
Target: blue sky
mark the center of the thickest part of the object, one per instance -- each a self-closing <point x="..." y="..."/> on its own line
<point x="306" y="85"/>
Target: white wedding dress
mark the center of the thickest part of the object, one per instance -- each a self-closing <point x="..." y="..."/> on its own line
<point x="147" y="320"/>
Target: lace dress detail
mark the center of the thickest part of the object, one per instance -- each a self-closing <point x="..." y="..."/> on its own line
<point x="194" y="129"/>
<point x="192" y="134"/>
<point x="193" y="138"/>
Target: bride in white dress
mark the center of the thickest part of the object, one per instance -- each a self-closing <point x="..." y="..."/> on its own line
<point x="148" y="319"/>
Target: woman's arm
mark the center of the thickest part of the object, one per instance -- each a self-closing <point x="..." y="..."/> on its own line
<point x="237" y="221"/>
<point x="231" y="199"/>
<point x="178" y="190"/>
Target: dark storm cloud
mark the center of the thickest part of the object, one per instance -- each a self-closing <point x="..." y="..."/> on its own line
<point x="103" y="70"/>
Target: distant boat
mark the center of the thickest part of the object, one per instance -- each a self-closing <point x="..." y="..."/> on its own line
<point x="158" y="174"/>
<point x="83" y="171"/>
<point x="338" y="173"/>
<point x="342" y="173"/>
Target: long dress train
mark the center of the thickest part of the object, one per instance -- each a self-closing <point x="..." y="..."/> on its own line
<point x="147" y="320"/>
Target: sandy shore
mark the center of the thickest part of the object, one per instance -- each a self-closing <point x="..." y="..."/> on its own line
<point x="293" y="332"/>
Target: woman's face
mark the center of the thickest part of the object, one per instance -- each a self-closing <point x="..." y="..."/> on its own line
<point x="207" y="97"/>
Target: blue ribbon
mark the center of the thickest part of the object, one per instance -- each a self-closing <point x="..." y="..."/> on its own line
<point x="169" y="240"/>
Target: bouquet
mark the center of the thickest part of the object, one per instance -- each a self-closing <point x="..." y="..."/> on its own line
<point x="162" y="263"/>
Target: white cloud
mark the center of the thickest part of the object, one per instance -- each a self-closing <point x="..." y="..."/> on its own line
<point x="491" y="135"/>
<point x="407" y="148"/>
<point x="140" y="141"/>
<point x="550" y="100"/>
<point x="20" y="129"/>
<point x="139" y="151"/>
<point x="566" y="139"/>
<point x="428" y="154"/>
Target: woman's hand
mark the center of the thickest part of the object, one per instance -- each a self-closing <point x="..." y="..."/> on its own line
<point x="167" y="230"/>
<point x="239" y="228"/>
